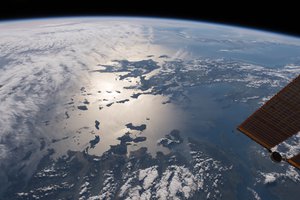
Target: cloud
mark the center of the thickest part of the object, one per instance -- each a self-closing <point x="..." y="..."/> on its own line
<point x="175" y="181"/>
<point x="289" y="147"/>
<point x="148" y="176"/>
<point x="43" y="64"/>
<point x="255" y="194"/>
<point x="290" y="174"/>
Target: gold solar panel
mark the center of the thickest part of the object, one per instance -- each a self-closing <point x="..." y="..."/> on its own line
<point x="295" y="161"/>
<point x="277" y="120"/>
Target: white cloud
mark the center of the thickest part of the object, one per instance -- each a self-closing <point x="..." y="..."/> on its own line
<point x="269" y="178"/>
<point x="290" y="147"/>
<point x="44" y="62"/>
<point x="290" y="174"/>
<point x="255" y="194"/>
<point x="109" y="186"/>
<point x="84" y="188"/>
<point x="124" y="188"/>
<point x="148" y="176"/>
<point x="175" y="182"/>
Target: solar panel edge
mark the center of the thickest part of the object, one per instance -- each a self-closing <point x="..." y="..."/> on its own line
<point x="256" y="139"/>
<point x="295" y="161"/>
<point x="266" y="140"/>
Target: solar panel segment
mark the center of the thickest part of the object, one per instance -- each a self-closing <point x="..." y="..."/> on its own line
<point x="277" y="120"/>
<point x="295" y="161"/>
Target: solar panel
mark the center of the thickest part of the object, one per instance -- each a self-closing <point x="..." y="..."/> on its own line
<point x="295" y="161"/>
<point x="277" y="120"/>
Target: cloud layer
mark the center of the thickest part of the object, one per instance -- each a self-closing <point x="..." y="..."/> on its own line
<point x="41" y="63"/>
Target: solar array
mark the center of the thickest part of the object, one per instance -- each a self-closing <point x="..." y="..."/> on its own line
<point x="295" y="161"/>
<point x="277" y="120"/>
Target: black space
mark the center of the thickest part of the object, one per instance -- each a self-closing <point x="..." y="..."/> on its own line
<point x="276" y="16"/>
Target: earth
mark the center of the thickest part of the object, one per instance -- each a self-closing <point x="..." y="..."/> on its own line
<point x="139" y="108"/>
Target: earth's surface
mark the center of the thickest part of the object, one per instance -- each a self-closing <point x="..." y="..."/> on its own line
<point x="133" y="108"/>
